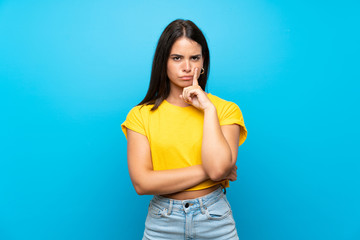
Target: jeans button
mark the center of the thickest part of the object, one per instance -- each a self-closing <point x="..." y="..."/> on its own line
<point x="187" y="205"/>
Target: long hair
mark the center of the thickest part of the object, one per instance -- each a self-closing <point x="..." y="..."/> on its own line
<point x="159" y="87"/>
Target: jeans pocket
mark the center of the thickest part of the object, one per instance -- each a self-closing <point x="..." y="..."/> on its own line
<point x="218" y="210"/>
<point x="155" y="211"/>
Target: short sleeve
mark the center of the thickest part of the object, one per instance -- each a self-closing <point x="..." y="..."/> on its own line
<point x="231" y="114"/>
<point x="134" y="121"/>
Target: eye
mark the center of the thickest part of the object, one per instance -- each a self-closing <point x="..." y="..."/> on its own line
<point x="195" y="58"/>
<point x="176" y="58"/>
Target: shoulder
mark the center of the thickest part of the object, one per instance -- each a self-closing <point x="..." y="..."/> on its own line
<point x="229" y="113"/>
<point x="137" y="119"/>
<point x="140" y="110"/>
<point x="222" y="104"/>
<point x="139" y="113"/>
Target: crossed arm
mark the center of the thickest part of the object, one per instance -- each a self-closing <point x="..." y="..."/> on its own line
<point x="150" y="182"/>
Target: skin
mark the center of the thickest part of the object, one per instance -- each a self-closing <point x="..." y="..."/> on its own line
<point x="219" y="145"/>
<point x="185" y="57"/>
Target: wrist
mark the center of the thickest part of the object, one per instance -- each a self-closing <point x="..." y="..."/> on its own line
<point x="210" y="108"/>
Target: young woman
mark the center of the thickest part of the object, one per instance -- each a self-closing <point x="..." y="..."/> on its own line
<point x="183" y="142"/>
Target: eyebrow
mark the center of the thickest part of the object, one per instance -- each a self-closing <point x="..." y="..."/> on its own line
<point x="178" y="55"/>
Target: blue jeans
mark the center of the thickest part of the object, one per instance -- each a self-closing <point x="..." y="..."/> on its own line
<point x="207" y="217"/>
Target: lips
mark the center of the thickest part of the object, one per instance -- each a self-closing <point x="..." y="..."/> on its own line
<point x="186" y="77"/>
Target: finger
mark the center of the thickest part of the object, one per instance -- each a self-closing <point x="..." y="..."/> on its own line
<point x="195" y="77"/>
<point x="186" y="96"/>
<point x="193" y="93"/>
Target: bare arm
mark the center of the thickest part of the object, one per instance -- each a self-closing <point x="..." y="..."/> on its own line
<point x="150" y="182"/>
<point x="220" y="143"/>
<point x="219" y="146"/>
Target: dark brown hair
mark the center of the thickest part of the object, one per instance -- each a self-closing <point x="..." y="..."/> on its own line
<point x="159" y="87"/>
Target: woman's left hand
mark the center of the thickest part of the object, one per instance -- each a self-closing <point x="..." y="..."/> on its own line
<point x="232" y="176"/>
<point x="195" y="96"/>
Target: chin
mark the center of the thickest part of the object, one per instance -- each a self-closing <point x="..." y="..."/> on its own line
<point x="182" y="84"/>
<point x="187" y="83"/>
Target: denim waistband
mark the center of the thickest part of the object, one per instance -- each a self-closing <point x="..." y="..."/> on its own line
<point x="203" y="202"/>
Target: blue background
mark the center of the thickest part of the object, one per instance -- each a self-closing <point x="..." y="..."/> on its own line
<point x="71" y="70"/>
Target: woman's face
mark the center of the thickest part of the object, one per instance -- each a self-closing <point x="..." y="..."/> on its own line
<point x="185" y="56"/>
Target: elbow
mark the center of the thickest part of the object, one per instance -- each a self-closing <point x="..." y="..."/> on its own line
<point x="142" y="185"/>
<point x="219" y="170"/>
<point x="140" y="190"/>
<point x="216" y="177"/>
<point x="218" y="174"/>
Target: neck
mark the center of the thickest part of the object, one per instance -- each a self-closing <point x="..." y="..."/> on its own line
<point x="174" y="97"/>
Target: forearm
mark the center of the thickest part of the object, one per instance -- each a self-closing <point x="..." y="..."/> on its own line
<point x="169" y="181"/>
<point x="215" y="151"/>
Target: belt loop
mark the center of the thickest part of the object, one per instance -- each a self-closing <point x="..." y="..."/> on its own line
<point x="170" y="207"/>
<point x="224" y="189"/>
<point x="201" y="206"/>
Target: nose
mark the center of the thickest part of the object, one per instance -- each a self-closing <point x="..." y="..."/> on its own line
<point x="187" y="67"/>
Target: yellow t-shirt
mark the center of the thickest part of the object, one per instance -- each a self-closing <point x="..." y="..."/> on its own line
<point x="175" y="133"/>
